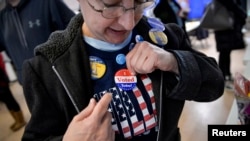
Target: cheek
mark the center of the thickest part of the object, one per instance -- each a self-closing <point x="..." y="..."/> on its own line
<point x="99" y="23"/>
<point x="138" y="18"/>
<point x="97" y="27"/>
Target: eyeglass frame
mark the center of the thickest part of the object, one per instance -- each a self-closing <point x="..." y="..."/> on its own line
<point x="124" y="8"/>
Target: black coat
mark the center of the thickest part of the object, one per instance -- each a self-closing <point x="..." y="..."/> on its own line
<point x="57" y="82"/>
<point x="232" y="38"/>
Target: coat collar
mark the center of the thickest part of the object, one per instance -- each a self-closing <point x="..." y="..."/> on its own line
<point x="60" y="41"/>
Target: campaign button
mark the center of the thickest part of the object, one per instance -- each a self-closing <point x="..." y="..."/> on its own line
<point x="158" y="37"/>
<point x="131" y="46"/>
<point x="156" y="23"/>
<point x="120" y="59"/>
<point x="125" y="80"/>
<point x="138" y="38"/>
<point x="98" y="67"/>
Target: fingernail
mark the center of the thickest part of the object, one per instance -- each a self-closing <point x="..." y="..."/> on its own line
<point x="109" y="94"/>
<point x="92" y="100"/>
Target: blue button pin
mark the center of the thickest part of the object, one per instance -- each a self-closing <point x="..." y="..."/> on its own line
<point x="120" y="59"/>
<point x="156" y="23"/>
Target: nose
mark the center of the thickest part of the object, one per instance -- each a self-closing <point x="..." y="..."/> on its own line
<point x="127" y="19"/>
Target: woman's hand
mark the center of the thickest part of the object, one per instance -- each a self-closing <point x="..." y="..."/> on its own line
<point x="93" y="123"/>
<point x="146" y="57"/>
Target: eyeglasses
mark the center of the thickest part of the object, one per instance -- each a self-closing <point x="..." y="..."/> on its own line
<point x="111" y="12"/>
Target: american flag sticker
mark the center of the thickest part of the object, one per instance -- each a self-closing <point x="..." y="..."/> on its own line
<point x="133" y="113"/>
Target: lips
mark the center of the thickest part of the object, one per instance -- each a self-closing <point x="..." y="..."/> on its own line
<point x="116" y="36"/>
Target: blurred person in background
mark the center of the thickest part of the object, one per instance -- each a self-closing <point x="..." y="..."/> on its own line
<point x="230" y="39"/>
<point x="170" y="11"/>
<point x="2" y="4"/>
<point x="27" y="23"/>
<point x="7" y="98"/>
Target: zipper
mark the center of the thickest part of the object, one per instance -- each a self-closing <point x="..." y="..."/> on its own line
<point x="66" y="89"/>
<point x="160" y="109"/>
<point x="19" y="27"/>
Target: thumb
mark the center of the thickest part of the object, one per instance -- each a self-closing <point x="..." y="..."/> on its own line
<point x="87" y="111"/>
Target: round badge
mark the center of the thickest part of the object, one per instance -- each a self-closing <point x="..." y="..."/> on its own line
<point x="158" y="37"/>
<point x="138" y="38"/>
<point x="131" y="46"/>
<point x="124" y="80"/>
<point x="156" y="23"/>
<point x="120" y="59"/>
<point x="98" y="67"/>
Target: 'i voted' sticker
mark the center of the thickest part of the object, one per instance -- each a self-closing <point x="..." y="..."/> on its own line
<point x="125" y="80"/>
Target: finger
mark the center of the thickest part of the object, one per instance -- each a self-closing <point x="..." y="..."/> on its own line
<point x="140" y="63"/>
<point x="113" y="135"/>
<point x="107" y="123"/>
<point x="137" y="59"/>
<point x="107" y="118"/>
<point x="149" y="63"/>
<point x="102" y="107"/>
<point x="148" y="66"/>
<point x="130" y="58"/>
<point x="87" y="111"/>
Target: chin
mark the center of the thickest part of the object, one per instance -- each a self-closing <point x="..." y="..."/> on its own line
<point x="116" y="40"/>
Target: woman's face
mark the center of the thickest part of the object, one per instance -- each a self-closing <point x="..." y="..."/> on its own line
<point x="114" y="30"/>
